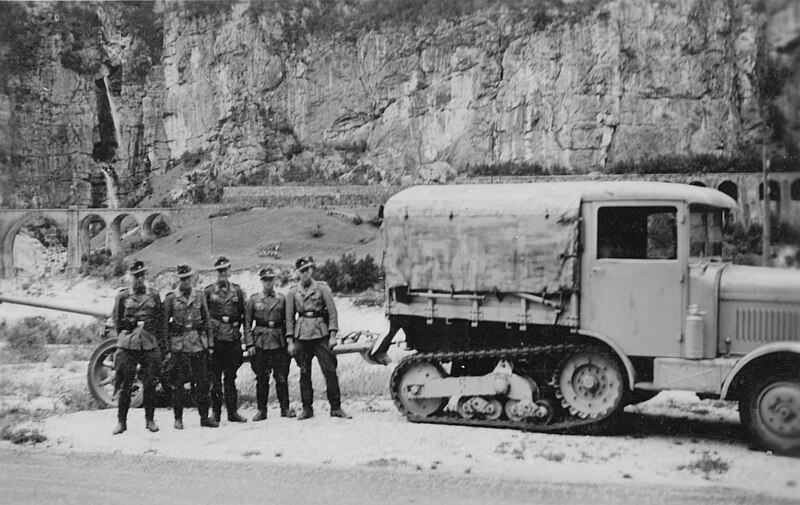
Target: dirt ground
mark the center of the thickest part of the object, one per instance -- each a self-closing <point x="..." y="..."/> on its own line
<point x="673" y="438"/>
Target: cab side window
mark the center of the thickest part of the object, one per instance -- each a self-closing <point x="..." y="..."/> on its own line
<point x="645" y="233"/>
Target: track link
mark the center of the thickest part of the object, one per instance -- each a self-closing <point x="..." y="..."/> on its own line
<point x="563" y="422"/>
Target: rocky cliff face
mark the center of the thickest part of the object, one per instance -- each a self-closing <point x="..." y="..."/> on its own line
<point x="177" y="100"/>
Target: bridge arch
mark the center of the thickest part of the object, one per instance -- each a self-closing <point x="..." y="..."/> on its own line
<point x="151" y="220"/>
<point x="27" y="219"/>
<point x="85" y="231"/>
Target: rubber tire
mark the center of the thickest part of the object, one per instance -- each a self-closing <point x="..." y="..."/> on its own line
<point x="750" y="418"/>
<point x="93" y="377"/>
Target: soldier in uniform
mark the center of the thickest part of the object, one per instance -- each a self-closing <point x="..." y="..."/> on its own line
<point x="138" y="320"/>
<point x="186" y="314"/>
<point x="267" y="310"/>
<point x="226" y="307"/>
<point x="313" y="334"/>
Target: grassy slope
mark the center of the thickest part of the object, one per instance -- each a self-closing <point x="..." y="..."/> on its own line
<point x="241" y="235"/>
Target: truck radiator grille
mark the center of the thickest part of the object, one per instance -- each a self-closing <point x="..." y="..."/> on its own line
<point x="766" y="325"/>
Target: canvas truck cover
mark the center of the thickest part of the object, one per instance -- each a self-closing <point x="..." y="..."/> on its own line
<point x="483" y="238"/>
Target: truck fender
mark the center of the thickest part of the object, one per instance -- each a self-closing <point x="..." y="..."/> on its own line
<point x="631" y="372"/>
<point x="775" y="347"/>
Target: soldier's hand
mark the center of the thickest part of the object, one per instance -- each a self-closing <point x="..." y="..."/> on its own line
<point x="290" y="348"/>
<point x="332" y="340"/>
<point x="249" y="351"/>
<point x="210" y="351"/>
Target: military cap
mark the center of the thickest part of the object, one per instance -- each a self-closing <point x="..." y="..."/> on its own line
<point x="184" y="271"/>
<point x="222" y="263"/>
<point x="137" y="267"/>
<point x="304" y="262"/>
<point x="267" y="273"/>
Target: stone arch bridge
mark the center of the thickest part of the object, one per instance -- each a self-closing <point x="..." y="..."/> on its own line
<point x="76" y="221"/>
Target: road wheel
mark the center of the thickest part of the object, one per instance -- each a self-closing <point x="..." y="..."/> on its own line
<point x="406" y="376"/>
<point x="771" y="413"/>
<point x="101" y="377"/>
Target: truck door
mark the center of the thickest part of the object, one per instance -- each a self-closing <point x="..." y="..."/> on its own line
<point x="633" y="275"/>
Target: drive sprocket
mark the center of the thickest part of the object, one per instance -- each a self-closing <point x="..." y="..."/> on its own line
<point x="589" y="384"/>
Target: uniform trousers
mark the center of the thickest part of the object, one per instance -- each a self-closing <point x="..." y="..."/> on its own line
<point x="305" y="351"/>
<point x="275" y="361"/>
<point x="190" y="366"/>
<point x="125" y="363"/>
<point x="225" y="361"/>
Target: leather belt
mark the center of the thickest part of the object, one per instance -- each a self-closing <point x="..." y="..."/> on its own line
<point x="312" y="313"/>
<point x="226" y="320"/>
<point x="269" y="324"/>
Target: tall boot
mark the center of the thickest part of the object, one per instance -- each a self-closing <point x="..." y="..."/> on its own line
<point x="233" y="415"/>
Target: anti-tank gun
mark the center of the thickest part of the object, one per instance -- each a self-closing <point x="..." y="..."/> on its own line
<point x="101" y="375"/>
<point x="550" y="306"/>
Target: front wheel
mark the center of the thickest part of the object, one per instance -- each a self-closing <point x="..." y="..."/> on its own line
<point x="101" y="377"/>
<point x="771" y="413"/>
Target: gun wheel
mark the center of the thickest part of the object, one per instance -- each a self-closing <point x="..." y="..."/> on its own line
<point x="407" y="378"/>
<point x="101" y="377"/>
<point x="590" y="385"/>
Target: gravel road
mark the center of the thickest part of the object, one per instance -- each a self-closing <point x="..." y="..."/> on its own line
<point x="33" y="476"/>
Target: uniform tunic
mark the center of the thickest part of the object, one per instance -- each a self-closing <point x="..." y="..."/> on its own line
<point x="268" y="312"/>
<point x="226" y="307"/>
<point x="187" y="319"/>
<point x="138" y="319"/>
<point x="313" y="306"/>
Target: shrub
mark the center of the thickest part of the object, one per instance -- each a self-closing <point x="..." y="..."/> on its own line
<point x="22" y="435"/>
<point x="81" y="335"/>
<point x="316" y="232"/>
<point x="348" y="275"/>
<point x="161" y="229"/>
<point x="138" y="243"/>
<point x="29" y="337"/>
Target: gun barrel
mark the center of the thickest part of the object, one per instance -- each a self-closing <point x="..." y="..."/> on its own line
<point x="60" y="306"/>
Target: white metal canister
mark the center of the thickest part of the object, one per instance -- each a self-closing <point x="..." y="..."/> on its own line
<point x="693" y="336"/>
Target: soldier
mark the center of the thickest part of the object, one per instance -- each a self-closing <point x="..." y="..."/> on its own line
<point x="268" y="311"/>
<point x="313" y="334"/>
<point x="138" y="319"/>
<point x="186" y="315"/>
<point x="226" y="307"/>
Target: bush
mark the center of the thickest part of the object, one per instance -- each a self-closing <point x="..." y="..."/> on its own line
<point x="743" y="246"/>
<point x="348" y="275"/>
<point x="161" y="229"/>
<point x="138" y="243"/>
<point x="22" y="435"/>
<point x="29" y="337"/>
<point x="81" y="335"/>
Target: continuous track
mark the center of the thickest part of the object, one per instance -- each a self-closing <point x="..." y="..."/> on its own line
<point x="562" y="421"/>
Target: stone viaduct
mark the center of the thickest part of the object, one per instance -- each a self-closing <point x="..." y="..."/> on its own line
<point x="76" y="221"/>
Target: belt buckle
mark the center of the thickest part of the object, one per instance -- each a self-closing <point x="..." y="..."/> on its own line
<point x="271" y="324"/>
<point x="226" y="319"/>
<point x="140" y="324"/>
<point x="188" y="326"/>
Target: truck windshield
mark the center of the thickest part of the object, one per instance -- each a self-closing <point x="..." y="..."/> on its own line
<point x="706" y="232"/>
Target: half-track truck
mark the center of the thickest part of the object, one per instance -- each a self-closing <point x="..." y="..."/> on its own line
<point x="551" y="306"/>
